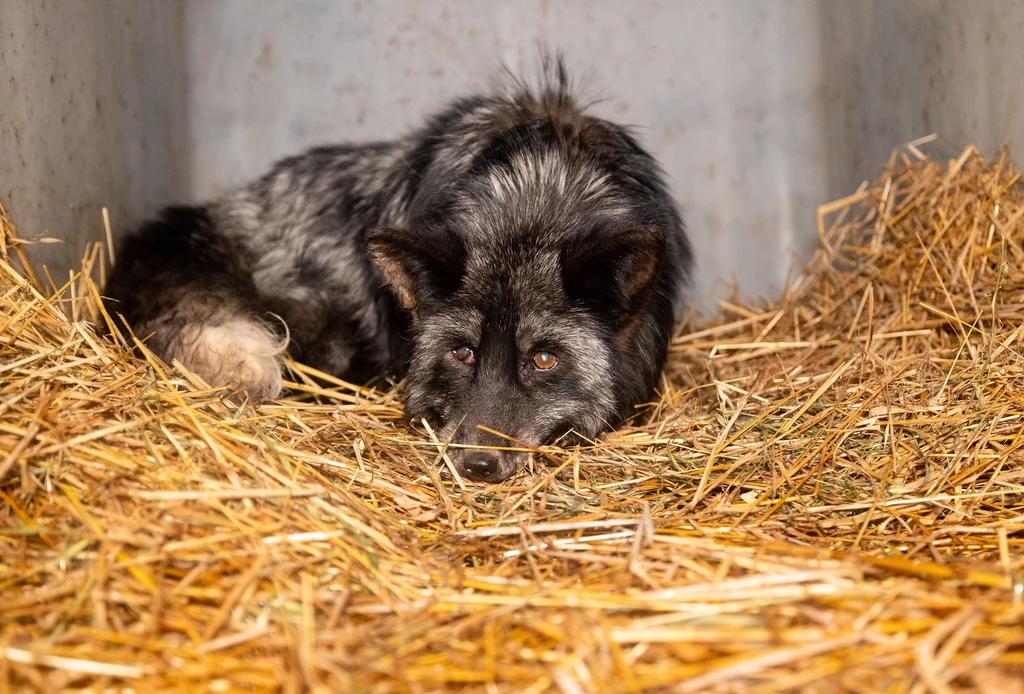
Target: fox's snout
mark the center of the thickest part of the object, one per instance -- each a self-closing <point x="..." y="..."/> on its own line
<point x="495" y="460"/>
<point x="480" y="465"/>
<point x="486" y="465"/>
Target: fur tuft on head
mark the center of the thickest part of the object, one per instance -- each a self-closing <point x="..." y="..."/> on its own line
<point x="550" y="92"/>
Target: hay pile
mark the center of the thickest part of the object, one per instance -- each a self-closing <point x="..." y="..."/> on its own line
<point x="827" y="497"/>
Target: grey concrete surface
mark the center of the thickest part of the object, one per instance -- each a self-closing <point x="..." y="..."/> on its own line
<point x="760" y="111"/>
<point x="92" y="114"/>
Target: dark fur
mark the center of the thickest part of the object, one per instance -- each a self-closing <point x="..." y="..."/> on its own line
<point x="510" y="223"/>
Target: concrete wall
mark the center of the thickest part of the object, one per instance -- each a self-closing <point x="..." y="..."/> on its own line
<point x="759" y="111"/>
<point x="92" y="114"/>
<point x="895" y="71"/>
<point x="727" y="95"/>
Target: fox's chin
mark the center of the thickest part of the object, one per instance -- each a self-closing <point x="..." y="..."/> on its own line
<point x="415" y="416"/>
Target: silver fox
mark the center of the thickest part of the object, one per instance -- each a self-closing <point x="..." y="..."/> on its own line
<point x="515" y="259"/>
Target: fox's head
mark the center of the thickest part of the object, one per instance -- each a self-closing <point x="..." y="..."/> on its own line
<point x="541" y="299"/>
<point x="530" y="342"/>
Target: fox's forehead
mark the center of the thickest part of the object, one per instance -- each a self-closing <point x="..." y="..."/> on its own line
<point x="546" y="174"/>
<point x="533" y="184"/>
<point x="513" y="271"/>
<point x="525" y="324"/>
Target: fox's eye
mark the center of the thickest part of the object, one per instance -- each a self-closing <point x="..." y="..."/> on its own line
<point x="464" y="354"/>
<point x="544" y="360"/>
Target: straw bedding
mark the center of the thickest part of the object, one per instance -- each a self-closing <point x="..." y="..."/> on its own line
<point x="826" y="497"/>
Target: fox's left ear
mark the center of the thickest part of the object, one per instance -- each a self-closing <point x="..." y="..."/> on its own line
<point x="616" y="272"/>
<point x="420" y="269"/>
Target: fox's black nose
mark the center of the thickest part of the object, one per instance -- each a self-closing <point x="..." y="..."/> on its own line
<point x="481" y="465"/>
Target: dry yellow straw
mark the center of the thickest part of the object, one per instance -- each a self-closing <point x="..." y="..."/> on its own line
<point x="826" y="497"/>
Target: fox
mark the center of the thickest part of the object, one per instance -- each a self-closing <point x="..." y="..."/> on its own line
<point x="516" y="260"/>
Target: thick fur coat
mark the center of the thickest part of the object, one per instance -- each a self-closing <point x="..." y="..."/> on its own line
<point x="517" y="259"/>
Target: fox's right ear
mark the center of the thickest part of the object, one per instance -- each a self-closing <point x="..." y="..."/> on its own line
<point x="419" y="268"/>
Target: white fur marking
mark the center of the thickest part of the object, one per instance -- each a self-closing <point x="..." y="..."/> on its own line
<point x="239" y="353"/>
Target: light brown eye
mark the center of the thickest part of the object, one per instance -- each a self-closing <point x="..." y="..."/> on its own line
<point x="544" y="360"/>
<point x="464" y="354"/>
